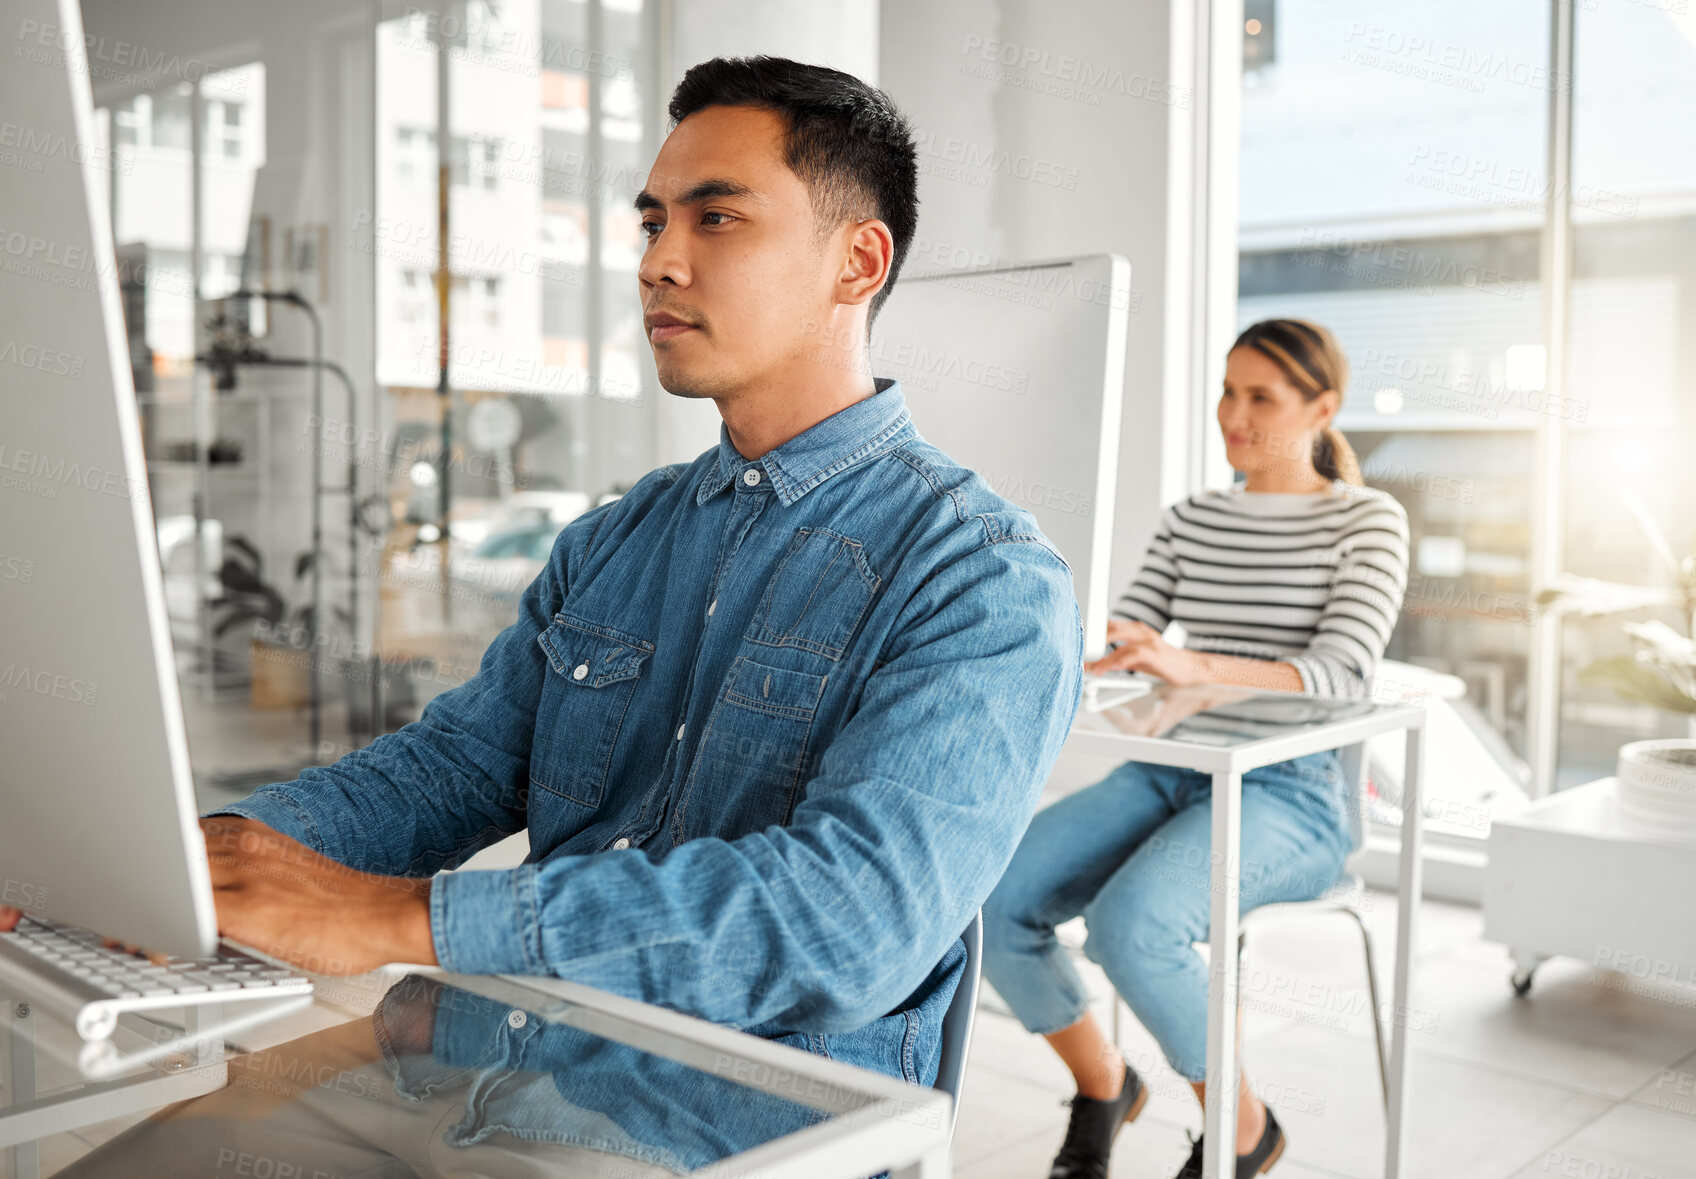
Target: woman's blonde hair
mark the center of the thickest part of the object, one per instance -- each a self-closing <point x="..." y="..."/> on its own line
<point x="1309" y="356"/>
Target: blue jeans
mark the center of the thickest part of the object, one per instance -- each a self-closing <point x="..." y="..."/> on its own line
<point x="1132" y="855"/>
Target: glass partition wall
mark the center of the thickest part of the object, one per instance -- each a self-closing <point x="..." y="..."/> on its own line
<point x="547" y="114"/>
<point x="345" y="522"/>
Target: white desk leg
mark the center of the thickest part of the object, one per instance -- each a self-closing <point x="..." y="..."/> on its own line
<point x="22" y="1159"/>
<point x="1219" y="1157"/>
<point x="1408" y="883"/>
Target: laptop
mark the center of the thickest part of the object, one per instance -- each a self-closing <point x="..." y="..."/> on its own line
<point x="99" y="832"/>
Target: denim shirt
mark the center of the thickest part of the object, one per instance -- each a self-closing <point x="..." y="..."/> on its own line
<point x="775" y="726"/>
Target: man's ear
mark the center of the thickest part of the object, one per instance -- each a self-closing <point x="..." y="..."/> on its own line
<point x="869" y="253"/>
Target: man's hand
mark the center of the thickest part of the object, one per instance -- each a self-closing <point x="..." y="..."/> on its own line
<point x="284" y="899"/>
<point x="1142" y="649"/>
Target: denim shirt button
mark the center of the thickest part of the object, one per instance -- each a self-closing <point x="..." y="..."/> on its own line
<point x="751" y="477"/>
<point x="516" y="1018"/>
<point x="620" y="844"/>
<point x="581" y="670"/>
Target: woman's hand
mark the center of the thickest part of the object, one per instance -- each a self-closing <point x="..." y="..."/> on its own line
<point x="1142" y="649"/>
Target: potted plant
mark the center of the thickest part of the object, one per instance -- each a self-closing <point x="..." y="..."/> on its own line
<point x="280" y="637"/>
<point x="1661" y="670"/>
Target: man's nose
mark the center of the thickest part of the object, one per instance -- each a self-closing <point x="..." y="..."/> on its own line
<point x="664" y="260"/>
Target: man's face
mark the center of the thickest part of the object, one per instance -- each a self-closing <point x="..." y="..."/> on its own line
<point x="733" y="281"/>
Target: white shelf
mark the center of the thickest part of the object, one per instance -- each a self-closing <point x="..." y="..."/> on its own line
<point x="1565" y="877"/>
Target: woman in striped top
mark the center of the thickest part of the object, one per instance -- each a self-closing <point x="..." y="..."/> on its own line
<point x="1291" y="579"/>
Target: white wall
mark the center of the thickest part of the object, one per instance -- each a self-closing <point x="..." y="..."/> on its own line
<point x="842" y="34"/>
<point x="1062" y="152"/>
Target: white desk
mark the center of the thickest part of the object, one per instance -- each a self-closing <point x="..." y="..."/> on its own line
<point x="1226" y="731"/>
<point x="715" y="1100"/>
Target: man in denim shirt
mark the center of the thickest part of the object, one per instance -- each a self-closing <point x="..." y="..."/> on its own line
<point x="776" y="718"/>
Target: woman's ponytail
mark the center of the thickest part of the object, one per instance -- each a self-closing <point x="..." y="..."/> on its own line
<point x="1333" y="457"/>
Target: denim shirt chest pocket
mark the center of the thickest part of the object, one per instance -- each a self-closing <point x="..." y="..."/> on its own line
<point x="817" y="596"/>
<point x="753" y="755"/>
<point x="592" y="673"/>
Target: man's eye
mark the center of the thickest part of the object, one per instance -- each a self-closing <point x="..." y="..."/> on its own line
<point x="649" y="228"/>
<point x="727" y="216"/>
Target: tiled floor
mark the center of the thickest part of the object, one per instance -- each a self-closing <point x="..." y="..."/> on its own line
<point x="1583" y="1077"/>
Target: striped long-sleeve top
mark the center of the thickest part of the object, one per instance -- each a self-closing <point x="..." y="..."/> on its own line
<point x="1313" y="579"/>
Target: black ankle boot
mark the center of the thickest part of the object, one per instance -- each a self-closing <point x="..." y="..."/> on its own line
<point x="1255" y="1162"/>
<point x="1089" y="1134"/>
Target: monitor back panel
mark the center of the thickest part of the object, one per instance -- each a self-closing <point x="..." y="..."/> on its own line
<point x="1018" y="373"/>
<point x="97" y="812"/>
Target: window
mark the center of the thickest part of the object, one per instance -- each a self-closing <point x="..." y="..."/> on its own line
<point x="1627" y="466"/>
<point x="476" y="162"/>
<point x="224" y="129"/>
<point x="171" y="117"/>
<point x="415" y="155"/>
<point x="1392" y="189"/>
<point x="413" y="306"/>
<point x="134" y="122"/>
<point x="549" y="141"/>
<point x="486" y="301"/>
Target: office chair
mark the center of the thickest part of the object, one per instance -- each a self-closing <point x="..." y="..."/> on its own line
<point x="1345" y="899"/>
<point x="957" y="1023"/>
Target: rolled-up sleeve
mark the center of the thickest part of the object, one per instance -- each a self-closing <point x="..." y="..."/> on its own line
<point x="911" y="818"/>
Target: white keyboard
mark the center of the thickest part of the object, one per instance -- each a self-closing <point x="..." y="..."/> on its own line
<point x="67" y="968"/>
<point x="1102" y="689"/>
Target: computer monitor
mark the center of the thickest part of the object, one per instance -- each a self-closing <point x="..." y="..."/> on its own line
<point x="98" y="824"/>
<point x="1018" y="373"/>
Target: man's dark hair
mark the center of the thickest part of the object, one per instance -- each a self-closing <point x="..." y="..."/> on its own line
<point x="847" y="142"/>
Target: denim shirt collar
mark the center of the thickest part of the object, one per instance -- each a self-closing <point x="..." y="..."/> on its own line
<point x="840" y="442"/>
